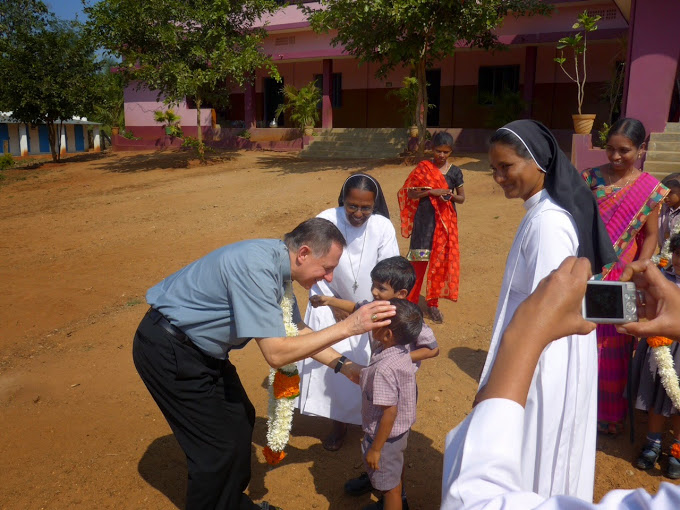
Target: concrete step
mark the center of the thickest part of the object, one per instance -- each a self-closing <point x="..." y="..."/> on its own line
<point x="664" y="137"/>
<point x="672" y="127"/>
<point x="662" y="168"/>
<point x="673" y="157"/>
<point x="664" y="146"/>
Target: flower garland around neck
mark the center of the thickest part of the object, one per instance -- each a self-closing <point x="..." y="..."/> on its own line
<point x="284" y="387"/>
<point x="664" y="360"/>
<point x="663" y="258"/>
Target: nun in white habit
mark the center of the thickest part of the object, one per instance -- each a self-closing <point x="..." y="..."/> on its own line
<point x="363" y="218"/>
<point x="560" y="426"/>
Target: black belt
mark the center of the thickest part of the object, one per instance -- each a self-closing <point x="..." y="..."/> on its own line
<point x="159" y="319"/>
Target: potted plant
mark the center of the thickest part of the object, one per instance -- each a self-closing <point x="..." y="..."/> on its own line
<point x="171" y="121"/>
<point x="303" y="105"/>
<point x="408" y="95"/>
<point x="583" y="123"/>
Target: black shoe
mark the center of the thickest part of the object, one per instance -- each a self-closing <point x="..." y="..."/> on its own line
<point x="673" y="468"/>
<point x="379" y="505"/>
<point x="648" y="456"/>
<point x="266" y="506"/>
<point x="359" y="486"/>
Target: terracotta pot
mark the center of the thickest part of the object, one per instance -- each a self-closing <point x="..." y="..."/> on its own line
<point x="583" y="124"/>
<point x="309" y="130"/>
<point x="413" y="131"/>
<point x="115" y="130"/>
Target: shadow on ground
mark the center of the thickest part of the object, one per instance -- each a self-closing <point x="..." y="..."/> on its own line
<point x="164" y="467"/>
<point x="470" y="361"/>
<point x="162" y="160"/>
<point x="294" y="164"/>
<point x="330" y="470"/>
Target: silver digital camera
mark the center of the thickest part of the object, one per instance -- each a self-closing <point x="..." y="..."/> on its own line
<point x="610" y="302"/>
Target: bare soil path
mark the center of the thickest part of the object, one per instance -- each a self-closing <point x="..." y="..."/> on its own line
<point x="80" y="243"/>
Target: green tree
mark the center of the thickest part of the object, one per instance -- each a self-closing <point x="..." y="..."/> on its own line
<point x="110" y="110"/>
<point x="415" y="33"/>
<point x="185" y="49"/>
<point x="47" y="69"/>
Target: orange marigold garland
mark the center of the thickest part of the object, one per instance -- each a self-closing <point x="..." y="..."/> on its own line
<point x="675" y="450"/>
<point x="666" y="367"/>
<point x="284" y="386"/>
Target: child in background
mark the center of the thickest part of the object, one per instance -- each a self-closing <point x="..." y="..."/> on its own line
<point x="651" y="395"/>
<point x="388" y="408"/>
<point x="670" y="211"/>
<point x="392" y="278"/>
<point x="428" y="216"/>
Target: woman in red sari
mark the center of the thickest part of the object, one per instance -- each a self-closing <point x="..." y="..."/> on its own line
<point x="629" y="201"/>
<point x="428" y="216"/>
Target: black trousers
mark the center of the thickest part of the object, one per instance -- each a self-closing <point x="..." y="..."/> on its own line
<point x="204" y="402"/>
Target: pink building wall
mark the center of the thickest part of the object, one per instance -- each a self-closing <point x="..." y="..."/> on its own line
<point x="140" y="106"/>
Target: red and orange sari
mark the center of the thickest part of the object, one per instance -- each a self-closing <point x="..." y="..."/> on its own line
<point x="444" y="267"/>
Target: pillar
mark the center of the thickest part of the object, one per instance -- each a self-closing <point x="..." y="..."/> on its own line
<point x="326" y="104"/>
<point x="95" y="139"/>
<point x="249" y="103"/>
<point x="23" y="140"/>
<point x="652" y="63"/>
<point x="530" y="54"/>
<point x="62" y="143"/>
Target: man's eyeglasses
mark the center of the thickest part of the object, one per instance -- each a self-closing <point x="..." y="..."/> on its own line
<point x="367" y="209"/>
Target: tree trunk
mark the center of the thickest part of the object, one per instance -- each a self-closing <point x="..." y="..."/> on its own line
<point x="421" y="107"/>
<point x="52" y="137"/>
<point x="201" y="149"/>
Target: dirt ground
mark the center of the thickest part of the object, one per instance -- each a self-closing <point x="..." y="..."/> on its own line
<point x="80" y="243"/>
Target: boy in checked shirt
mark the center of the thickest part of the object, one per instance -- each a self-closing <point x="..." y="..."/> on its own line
<point x="388" y="409"/>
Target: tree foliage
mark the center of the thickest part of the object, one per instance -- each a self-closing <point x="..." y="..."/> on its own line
<point x="415" y="33"/>
<point x="185" y="48"/>
<point x="48" y="69"/>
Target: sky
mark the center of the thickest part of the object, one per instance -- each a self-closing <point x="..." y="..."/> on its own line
<point x="67" y="9"/>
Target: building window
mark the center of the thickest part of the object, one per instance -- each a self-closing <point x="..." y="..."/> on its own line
<point x="336" y="88"/>
<point x="494" y="81"/>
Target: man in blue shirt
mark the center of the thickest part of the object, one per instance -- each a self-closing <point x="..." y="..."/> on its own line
<point x="219" y="303"/>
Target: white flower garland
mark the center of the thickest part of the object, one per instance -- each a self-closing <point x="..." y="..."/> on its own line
<point x="280" y="412"/>
<point x="665" y="253"/>
<point x="669" y="377"/>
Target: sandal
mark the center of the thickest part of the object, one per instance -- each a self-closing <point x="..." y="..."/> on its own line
<point x="435" y="314"/>
<point x="336" y="438"/>
<point x="648" y="456"/>
<point x="609" y="428"/>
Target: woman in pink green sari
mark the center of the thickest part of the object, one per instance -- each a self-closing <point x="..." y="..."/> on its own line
<point x="629" y="202"/>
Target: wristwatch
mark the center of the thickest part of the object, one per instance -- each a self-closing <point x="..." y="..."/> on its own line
<point x="340" y="363"/>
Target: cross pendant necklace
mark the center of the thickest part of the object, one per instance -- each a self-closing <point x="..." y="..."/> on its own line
<point x="355" y="285"/>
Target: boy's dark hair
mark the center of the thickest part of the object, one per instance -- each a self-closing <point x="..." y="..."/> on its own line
<point x="674" y="243"/>
<point x="317" y="233"/>
<point x="408" y="322"/>
<point x="672" y="180"/>
<point x="395" y="271"/>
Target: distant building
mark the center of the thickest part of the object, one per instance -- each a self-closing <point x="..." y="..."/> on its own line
<point x="638" y="38"/>
<point x="22" y="140"/>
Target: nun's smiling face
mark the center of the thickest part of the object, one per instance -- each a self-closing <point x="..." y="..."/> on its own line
<point x="519" y="177"/>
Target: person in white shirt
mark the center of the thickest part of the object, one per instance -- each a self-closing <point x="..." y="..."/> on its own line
<point x="561" y="220"/>
<point x="483" y="461"/>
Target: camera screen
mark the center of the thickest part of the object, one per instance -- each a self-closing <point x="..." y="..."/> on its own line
<point x="604" y="301"/>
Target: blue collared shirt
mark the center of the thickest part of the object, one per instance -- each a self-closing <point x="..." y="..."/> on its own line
<point x="229" y="296"/>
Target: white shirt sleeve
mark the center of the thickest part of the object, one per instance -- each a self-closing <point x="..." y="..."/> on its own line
<point x="482" y="469"/>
